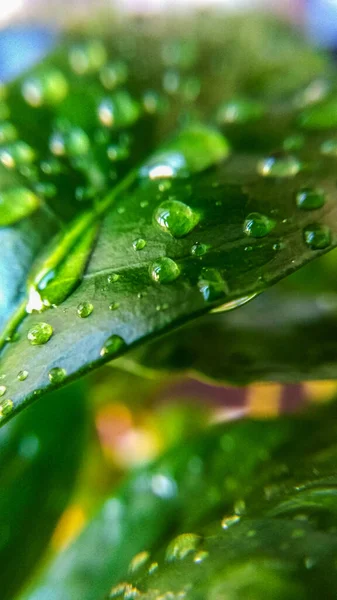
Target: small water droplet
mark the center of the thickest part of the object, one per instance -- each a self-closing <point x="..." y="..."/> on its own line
<point x="279" y="166"/>
<point x="113" y="277"/>
<point x="3" y="390"/>
<point x="120" y="110"/>
<point x="139" y="244"/>
<point x="317" y="237"/>
<point x="40" y="333"/>
<point x="212" y="285"/>
<point x="175" y="218"/>
<point x="228" y="522"/>
<point x="6" y="407"/>
<point x="22" y="375"/>
<point x="153" y="568"/>
<point x="85" y="309"/>
<point x="139" y="561"/>
<point x="310" y="198"/>
<point x="199" y="249"/>
<point x="16" y="154"/>
<point x="113" y="305"/>
<point x="257" y="225"/>
<point x="309" y="562"/>
<point x="164" y="270"/>
<point x="182" y="545"/>
<point x="57" y="374"/>
<point x="113" y="345"/>
<point x="116" y="153"/>
<point x="200" y="556"/>
<point x="48" y="88"/>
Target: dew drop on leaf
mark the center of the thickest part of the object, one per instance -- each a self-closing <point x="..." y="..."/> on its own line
<point x="175" y="218"/>
<point x="22" y="375"/>
<point x="112" y="345"/>
<point x="310" y="198"/>
<point x="85" y="309"/>
<point x="200" y="556"/>
<point x="279" y="166"/>
<point x="182" y="545"/>
<point x="257" y="225"/>
<point x="139" y="244"/>
<point x="56" y="375"/>
<point x="114" y="306"/>
<point x="199" y="249"/>
<point x="113" y="277"/>
<point x="40" y="334"/>
<point x="6" y="407"/>
<point x="164" y="270"/>
<point x="3" y="390"/>
<point x="317" y="236"/>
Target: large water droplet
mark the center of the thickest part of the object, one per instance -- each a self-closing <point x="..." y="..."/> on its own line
<point x="40" y="333"/>
<point x="240" y="111"/>
<point x="120" y="110"/>
<point x="57" y="374"/>
<point x="317" y="236"/>
<point x="194" y="149"/>
<point x="175" y="218"/>
<point x="164" y="270"/>
<point x="212" y="285"/>
<point x="310" y="198"/>
<point x="6" y="407"/>
<point x="257" y="225"/>
<point x="48" y="88"/>
<point x="16" y="204"/>
<point x="182" y="545"/>
<point x="113" y="345"/>
<point x="85" y="309"/>
<point x="279" y="166"/>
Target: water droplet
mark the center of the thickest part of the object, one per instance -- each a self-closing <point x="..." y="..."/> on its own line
<point x="310" y="198"/>
<point x="84" y="309"/>
<point x="48" y="88"/>
<point x="3" y="390"/>
<point x="8" y="133"/>
<point x="212" y="285"/>
<point x="139" y="561"/>
<point x="16" y="204"/>
<point x="199" y="249"/>
<point x="240" y="111"/>
<point x="234" y="304"/>
<point x="57" y="374"/>
<point x="196" y="148"/>
<point x="39" y="334"/>
<point x="317" y="237"/>
<point x="279" y="166"/>
<point x="228" y="522"/>
<point x="164" y="270"/>
<point x="72" y="141"/>
<point x="113" y="277"/>
<point x="182" y="545"/>
<point x="87" y="57"/>
<point x="113" y="305"/>
<point x="153" y="568"/>
<point x="309" y="562"/>
<point x="116" y="153"/>
<point x="114" y="74"/>
<point x="139" y="244"/>
<point x="200" y="556"/>
<point x="113" y="345"/>
<point x="6" y="407"/>
<point x="257" y="225"/>
<point x="22" y="375"/>
<point x="16" y="154"/>
<point x="329" y="148"/>
<point x="175" y="218"/>
<point x="120" y="110"/>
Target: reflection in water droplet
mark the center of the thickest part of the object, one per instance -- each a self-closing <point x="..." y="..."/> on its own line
<point x="182" y="545"/>
<point x="113" y="345"/>
<point x="85" y="309"/>
<point x="6" y="407"/>
<point x="139" y="561"/>
<point x="22" y="375"/>
<point x="310" y="198"/>
<point x="257" y="225"/>
<point x="139" y="244"/>
<point x="40" y="333"/>
<point x="279" y="166"/>
<point x="164" y="270"/>
<point x="212" y="285"/>
<point x="229" y="521"/>
<point x="56" y="375"/>
<point x="175" y="218"/>
<point x="317" y="236"/>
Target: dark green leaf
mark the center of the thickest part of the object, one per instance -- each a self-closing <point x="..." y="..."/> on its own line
<point x="39" y="459"/>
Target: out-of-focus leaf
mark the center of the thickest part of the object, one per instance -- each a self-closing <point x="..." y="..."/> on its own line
<point x="39" y="457"/>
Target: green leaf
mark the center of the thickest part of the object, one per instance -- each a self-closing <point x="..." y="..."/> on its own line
<point x="279" y="337"/>
<point x="194" y="207"/>
<point x="39" y="456"/>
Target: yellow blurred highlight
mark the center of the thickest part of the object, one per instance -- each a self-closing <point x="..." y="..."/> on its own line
<point x="264" y="400"/>
<point x="320" y="391"/>
<point x="68" y="527"/>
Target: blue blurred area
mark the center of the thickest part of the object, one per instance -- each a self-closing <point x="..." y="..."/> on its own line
<point x="21" y="47"/>
<point x="321" y="18"/>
